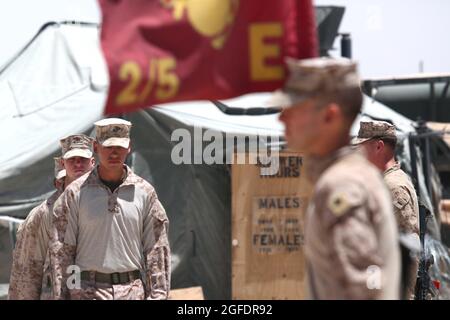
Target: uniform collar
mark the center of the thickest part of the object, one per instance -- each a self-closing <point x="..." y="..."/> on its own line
<point x="395" y="167"/>
<point x="315" y="166"/>
<point x="94" y="178"/>
<point x="55" y="195"/>
<point x="60" y="186"/>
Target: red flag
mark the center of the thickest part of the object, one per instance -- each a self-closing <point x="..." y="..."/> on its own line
<point x="161" y="51"/>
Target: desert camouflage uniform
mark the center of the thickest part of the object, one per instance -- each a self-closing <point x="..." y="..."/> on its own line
<point x="351" y="244"/>
<point x="406" y="211"/>
<point x="350" y="234"/>
<point x="404" y="197"/>
<point x="86" y="218"/>
<point x="30" y="274"/>
<point x="91" y="290"/>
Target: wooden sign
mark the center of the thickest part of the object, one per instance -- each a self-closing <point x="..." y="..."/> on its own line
<point x="267" y="229"/>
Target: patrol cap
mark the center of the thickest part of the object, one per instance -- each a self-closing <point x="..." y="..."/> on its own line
<point x="374" y="129"/>
<point x="315" y="77"/>
<point x="113" y="132"/>
<point x="76" y="145"/>
<point x="60" y="172"/>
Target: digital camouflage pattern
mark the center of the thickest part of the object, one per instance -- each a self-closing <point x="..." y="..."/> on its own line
<point x="406" y="211"/>
<point x="30" y="275"/>
<point x="113" y="132"/>
<point x="77" y="145"/>
<point x="404" y="198"/>
<point x="375" y="129"/>
<point x="103" y="291"/>
<point x="155" y="251"/>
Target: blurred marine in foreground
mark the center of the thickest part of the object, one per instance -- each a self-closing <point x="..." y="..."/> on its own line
<point x="351" y="241"/>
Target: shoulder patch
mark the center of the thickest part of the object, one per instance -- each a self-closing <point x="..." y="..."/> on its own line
<point x="338" y="204"/>
<point x="342" y="200"/>
<point x="400" y="198"/>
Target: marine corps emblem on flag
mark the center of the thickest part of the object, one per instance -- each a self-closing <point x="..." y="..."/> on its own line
<point x="210" y="18"/>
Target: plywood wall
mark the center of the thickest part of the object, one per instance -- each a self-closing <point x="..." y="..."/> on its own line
<point x="267" y="230"/>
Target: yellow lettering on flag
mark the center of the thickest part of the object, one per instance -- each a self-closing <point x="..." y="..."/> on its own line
<point x="167" y="78"/>
<point x="129" y="72"/>
<point x="162" y="81"/>
<point x="260" y="51"/>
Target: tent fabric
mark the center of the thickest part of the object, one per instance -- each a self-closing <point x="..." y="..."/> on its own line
<point x="40" y="90"/>
<point x="57" y="87"/>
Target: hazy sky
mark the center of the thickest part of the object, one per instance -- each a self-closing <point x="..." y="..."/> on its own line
<point x="390" y="37"/>
<point x="21" y="19"/>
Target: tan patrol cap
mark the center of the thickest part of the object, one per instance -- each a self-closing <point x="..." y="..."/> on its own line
<point x="60" y="172"/>
<point x="374" y="129"/>
<point x="113" y="132"/>
<point x="315" y="77"/>
<point x="76" y="145"/>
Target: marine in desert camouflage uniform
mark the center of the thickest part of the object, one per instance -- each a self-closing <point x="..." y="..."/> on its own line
<point x="30" y="274"/>
<point x="379" y="140"/>
<point x="112" y="227"/>
<point x="351" y="242"/>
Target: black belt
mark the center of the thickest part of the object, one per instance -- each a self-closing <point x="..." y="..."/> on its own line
<point x="111" y="278"/>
